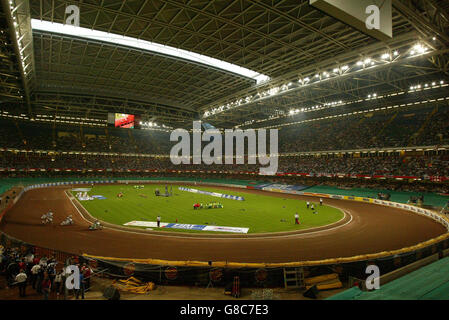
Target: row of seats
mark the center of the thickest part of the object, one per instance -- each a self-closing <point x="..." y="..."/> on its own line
<point x="39" y="136"/>
<point x="370" y="130"/>
<point x="391" y="128"/>
<point x="421" y="166"/>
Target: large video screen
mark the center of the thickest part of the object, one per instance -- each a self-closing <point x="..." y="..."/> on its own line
<point x="123" y="120"/>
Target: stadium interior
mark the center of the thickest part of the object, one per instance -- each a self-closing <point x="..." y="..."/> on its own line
<point x="353" y="111"/>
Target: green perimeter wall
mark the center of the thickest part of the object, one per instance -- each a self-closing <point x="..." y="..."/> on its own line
<point x="432" y="199"/>
<point x="396" y="196"/>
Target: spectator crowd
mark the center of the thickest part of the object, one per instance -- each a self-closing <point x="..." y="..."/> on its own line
<point x="396" y="165"/>
<point x="377" y="130"/>
<point x="35" y="275"/>
<point x="424" y="127"/>
<point x="49" y="150"/>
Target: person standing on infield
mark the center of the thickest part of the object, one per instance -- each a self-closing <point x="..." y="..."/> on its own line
<point x="296" y="218"/>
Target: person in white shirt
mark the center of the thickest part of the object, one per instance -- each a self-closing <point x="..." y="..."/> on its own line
<point x="43" y="262"/>
<point x="34" y="272"/>
<point x="308" y="204"/>
<point x="29" y="258"/>
<point x="21" y="280"/>
<point x="158" y="221"/>
<point x="296" y="218"/>
<point x="58" y="282"/>
<point x="321" y="201"/>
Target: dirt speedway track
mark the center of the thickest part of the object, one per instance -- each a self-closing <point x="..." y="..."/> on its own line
<point x="367" y="228"/>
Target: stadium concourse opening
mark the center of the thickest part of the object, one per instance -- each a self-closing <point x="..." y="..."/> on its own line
<point x="115" y="118"/>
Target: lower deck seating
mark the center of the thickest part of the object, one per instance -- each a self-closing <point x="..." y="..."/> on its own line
<point x="428" y="283"/>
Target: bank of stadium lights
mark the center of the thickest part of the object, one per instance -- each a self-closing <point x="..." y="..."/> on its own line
<point x="338" y="71"/>
<point x="76" y="118"/>
<point x="372" y="96"/>
<point x="341" y="70"/>
<point x="148" y="125"/>
<point x="315" y="108"/>
<point x="418" y="49"/>
<point x="234" y="104"/>
<point x="342" y="115"/>
<point x="276" y="90"/>
<point x="63" y="120"/>
<point x="428" y="86"/>
<point x="295" y="111"/>
<point x="367" y="62"/>
<point x="248" y="122"/>
<point x="388" y="56"/>
<point x="19" y="43"/>
<point x="157" y="129"/>
<point x="305" y="80"/>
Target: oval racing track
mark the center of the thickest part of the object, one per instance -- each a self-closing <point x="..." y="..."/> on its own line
<point x="367" y="228"/>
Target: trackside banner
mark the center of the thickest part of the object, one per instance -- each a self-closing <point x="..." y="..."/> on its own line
<point x="433" y="215"/>
<point x="67" y="183"/>
<point x="206" y="228"/>
<point x="184" y="226"/>
<point x="214" y="194"/>
<point x="281" y="187"/>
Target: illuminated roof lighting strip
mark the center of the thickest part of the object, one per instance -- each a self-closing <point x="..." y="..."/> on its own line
<point x="71" y="30"/>
<point x="13" y="9"/>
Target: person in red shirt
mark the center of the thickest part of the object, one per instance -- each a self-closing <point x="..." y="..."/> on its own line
<point x="87" y="273"/>
<point x="22" y="264"/>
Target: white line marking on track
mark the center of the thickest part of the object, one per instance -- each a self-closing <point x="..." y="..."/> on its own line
<point x="82" y="216"/>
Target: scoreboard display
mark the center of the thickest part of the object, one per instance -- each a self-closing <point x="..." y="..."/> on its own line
<point x="123" y="120"/>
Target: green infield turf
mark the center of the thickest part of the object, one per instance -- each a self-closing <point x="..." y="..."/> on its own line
<point x="259" y="213"/>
